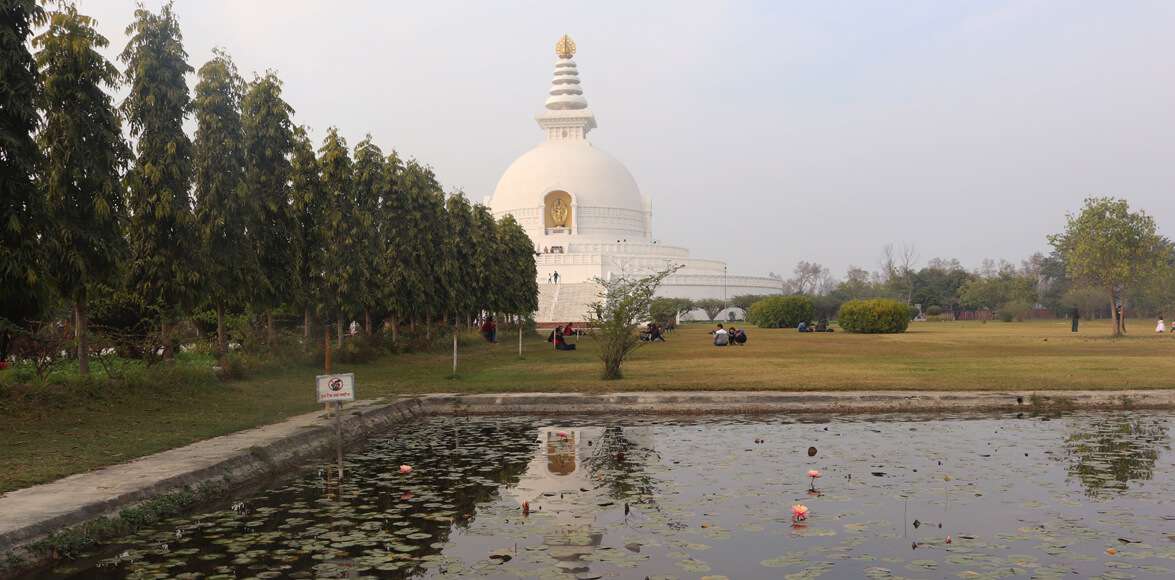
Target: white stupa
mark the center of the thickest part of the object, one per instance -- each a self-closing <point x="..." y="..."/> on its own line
<point x="587" y="216"/>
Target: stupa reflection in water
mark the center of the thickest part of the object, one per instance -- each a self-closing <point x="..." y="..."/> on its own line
<point x="573" y="476"/>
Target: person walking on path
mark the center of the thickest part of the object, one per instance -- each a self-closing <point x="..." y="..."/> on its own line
<point x="556" y="276"/>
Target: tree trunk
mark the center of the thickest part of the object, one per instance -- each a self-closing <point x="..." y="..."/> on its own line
<point x="456" y="327"/>
<point x="269" y="338"/>
<point x="395" y="329"/>
<point x="221" y="343"/>
<point x="339" y="327"/>
<point x="83" y="346"/>
<point x="520" y="339"/>
<point x="165" y="338"/>
<point x="1114" y="314"/>
<point x="306" y="325"/>
<point x="366" y="322"/>
<point x="428" y="325"/>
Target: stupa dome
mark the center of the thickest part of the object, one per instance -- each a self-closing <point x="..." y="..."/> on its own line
<point x="591" y="176"/>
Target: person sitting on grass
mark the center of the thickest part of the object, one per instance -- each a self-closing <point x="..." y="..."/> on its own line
<point x="738" y="336"/>
<point x="822" y="326"/>
<point x="655" y="333"/>
<point x="559" y="336"/>
<point x="721" y="337"/>
<point x="803" y="326"/>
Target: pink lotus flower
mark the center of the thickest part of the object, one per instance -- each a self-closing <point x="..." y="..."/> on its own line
<point x="561" y="434"/>
<point x="813" y="473"/>
<point x="799" y="512"/>
<point x="405" y="469"/>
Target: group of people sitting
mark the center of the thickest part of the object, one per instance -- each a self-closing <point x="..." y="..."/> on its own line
<point x="652" y="333"/>
<point x="559" y="337"/>
<point x="724" y="337"/>
<point x="821" y="326"/>
<point x="1161" y="327"/>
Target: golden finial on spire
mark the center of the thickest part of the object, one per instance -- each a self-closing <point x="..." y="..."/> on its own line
<point x="565" y="48"/>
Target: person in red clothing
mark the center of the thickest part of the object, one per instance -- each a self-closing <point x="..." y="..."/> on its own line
<point x="489" y="329"/>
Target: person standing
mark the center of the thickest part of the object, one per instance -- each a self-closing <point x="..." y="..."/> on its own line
<point x="556" y="276"/>
<point x="1161" y="327"/>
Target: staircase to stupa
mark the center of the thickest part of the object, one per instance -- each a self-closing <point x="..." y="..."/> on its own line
<point x="560" y="303"/>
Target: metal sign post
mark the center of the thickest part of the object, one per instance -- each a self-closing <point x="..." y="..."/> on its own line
<point x="337" y="389"/>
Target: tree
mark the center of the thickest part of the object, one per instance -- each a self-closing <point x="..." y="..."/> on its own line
<point x="84" y="154"/>
<point x="306" y="239"/>
<point x="664" y="311"/>
<point x="268" y="139"/>
<point x="22" y="211"/>
<point x="712" y="306"/>
<point x="517" y="276"/>
<point x="457" y="268"/>
<point x="337" y="229"/>
<point x="396" y="230"/>
<point x="623" y="305"/>
<point x="1112" y="248"/>
<point x="164" y="269"/>
<point x="744" y="301"/>
<point x="487" y="260"/>
<point x="225" y="210"/>
<point x="898" y="268"/>
<point x="810" y="277"/>
<point x="370" y="187"/>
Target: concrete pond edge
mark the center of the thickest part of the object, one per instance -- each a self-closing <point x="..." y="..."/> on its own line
<point x="31" y="518"/>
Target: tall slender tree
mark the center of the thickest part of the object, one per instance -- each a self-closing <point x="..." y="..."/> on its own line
<point x="306" y="245"/>
<point x="84" y="154"/>
<point x="164" y="271"/>
<point x="398" y="239"/>
<point x="269" y="140"/>
<point x="457" y="267"/>
<point x="225" y="210"/>
<point x="22" y="211"/>
<point x="369" y="189"/>
<point x="338" y="230"/>
<point x="431" y="227"/>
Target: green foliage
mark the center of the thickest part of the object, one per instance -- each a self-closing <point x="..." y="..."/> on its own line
<point x="162" y="231"/>
<point x="992" y="292"/>
<point x="933" y="310"/>
<point x="1110" y="247"/>
<point x="267" y="145"/>
<point x="22" y="210"/>
<point x="84" y="153"/>
<point x="225" y="210"/>
<point x="744" y="301"/>
<point x="781" y="311"/>
<point x="1018" y="310"/>
<point x="1088" y="301"/>
<point x="337" y="230"/>
<point x="371" y="185"/>
<point x="664" y="311"/>
<point x="309" y="212"/>
<point x="517" y="276"/>
<point x="876" y="316"/>
<point x="623" y="306"/>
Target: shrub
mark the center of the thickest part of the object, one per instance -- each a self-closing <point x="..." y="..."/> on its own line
<point x="781" y="311"/>
<point x="877" y="316"/>
<point x="1016" y="310"/>
<point x="933" y="310"/>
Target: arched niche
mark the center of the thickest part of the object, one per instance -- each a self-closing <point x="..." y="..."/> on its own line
<point x="557" y="210"/>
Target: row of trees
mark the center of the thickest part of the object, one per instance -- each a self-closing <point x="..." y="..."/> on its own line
<point x="1109" y="258"/>
<point x="245" y="216"/>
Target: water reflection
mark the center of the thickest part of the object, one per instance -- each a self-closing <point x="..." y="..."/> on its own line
<point x="1105" y="453"/>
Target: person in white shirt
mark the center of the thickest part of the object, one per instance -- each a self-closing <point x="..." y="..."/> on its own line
<point x="721" y="337"/>
<point x="1161" y="326"/>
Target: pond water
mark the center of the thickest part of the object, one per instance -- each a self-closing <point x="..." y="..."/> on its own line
<point x="1081" y="495"/>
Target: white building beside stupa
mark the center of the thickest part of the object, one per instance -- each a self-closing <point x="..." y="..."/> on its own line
<point x="589" y="219"/>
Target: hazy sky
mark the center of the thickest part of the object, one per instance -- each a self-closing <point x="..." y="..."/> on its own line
<point x="765" y="132"/>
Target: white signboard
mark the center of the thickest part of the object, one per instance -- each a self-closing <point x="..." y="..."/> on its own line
<point x="338" y="388"/>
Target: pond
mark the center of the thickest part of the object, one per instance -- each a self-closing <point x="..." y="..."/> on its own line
<point x="1080" y="495"/>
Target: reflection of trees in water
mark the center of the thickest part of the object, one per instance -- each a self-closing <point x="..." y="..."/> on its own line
<point x="621" y="462"/>
<point x="1106" y="453"/>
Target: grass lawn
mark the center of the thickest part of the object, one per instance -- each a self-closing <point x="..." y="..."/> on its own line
<point x="42" y="442"/>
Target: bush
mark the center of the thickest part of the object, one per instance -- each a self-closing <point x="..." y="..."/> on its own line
<point x="877" y="316"/>
<point x="1016" y="310"/>
<point x="933" y="310"/>
<point x="781" y="311"/>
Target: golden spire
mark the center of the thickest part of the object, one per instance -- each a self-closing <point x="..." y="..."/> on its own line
<point x="565" y="48"/>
